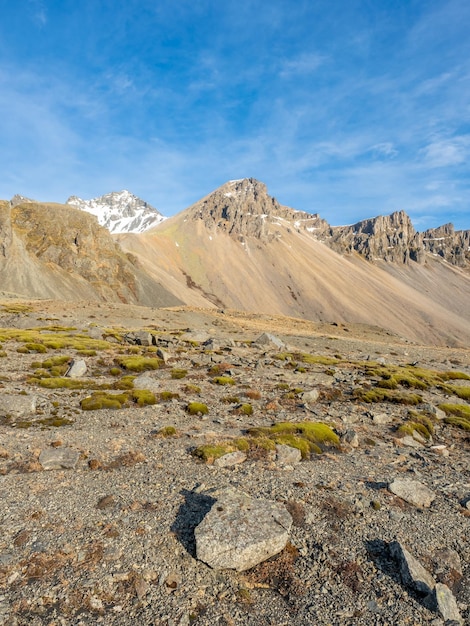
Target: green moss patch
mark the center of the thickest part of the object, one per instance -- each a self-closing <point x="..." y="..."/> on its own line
<point x="192" y="389"/>
<point x="196" y="408"/>
<point x="306" y="436"/>
<point x="461" y="392"/>
<point x="386" y="395"/>
<point x="143" y="397"/>
<point x="167" y="396"/>
<point x="177" y="373"/>
<point x="16" y="308"/>
<point x="244" y="409"/>
<point x="223" y="380"/>
<point x="100" y="400"/>
<point x="139" y="363"/>
<point x="457" y="415"/>
<point x="167" y="431"/>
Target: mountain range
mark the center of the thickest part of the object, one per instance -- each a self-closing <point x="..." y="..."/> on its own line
<point x="238" y="248"/>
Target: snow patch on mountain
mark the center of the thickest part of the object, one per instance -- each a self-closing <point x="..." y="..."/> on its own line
<point x="120" y="212"/>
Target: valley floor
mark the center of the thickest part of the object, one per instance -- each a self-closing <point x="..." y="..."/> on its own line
<point x="109" y="538"/>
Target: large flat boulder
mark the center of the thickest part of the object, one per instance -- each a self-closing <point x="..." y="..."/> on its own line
<point x="239" y="531"/>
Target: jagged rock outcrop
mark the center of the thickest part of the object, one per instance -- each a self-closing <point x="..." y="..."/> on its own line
<point x="19" y="199"/>
<point x="451" y="245"/>
<point x="243" y="208"/>
<point x="389" y="238"/>
<point x="120" y="212"/>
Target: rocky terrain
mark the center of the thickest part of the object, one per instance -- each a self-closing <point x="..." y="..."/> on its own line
<point x="123" y="428"/>
<point x="120" y="212"/>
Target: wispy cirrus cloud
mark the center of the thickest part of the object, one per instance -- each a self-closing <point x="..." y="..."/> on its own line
<point x="306" y="63"/>
<point x="447" y="152"/>
<point x="38" y="12"/>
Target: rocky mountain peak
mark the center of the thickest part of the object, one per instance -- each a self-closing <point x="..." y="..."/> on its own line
<point x="243" y="208"/>
<point x="19" y="199"/>
<point x="120" y="211"/>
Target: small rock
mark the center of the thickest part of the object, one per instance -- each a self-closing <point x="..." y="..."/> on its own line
<point x="412" y="491"/>
<point x="447" y="567"/>
<point x="76" y="369"/>
<point x="381" y="418"/>
<point x="239" y="531"/>
<point x="14" y="405"/>
<point x="434" y="410"/>
<point x="350" y="437"/>
<point x="163" y="355"/>
<point x="58" y="458"/>
<point x="440" y="449"/>
<point x="232" y="458"/>
<point x="287" y="455"/>
<point x="148" y="382"/>
<point x="447" y="604"/>
<point x="139" y="337"/>
<point x="411" y="570"/>
<point x="408" y="441"/>
<point x="95" y="332"/>
<point x="106" y="502"/>
<point x="268" y="340"/>
<point x="466" y="502"/>
<point x="310" y="396"/>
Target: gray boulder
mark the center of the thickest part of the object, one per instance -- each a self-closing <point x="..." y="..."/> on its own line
<point x="59" y="458"/>
<point x="412" y="491"/>
<point x="77" y="368"/>
<point x="412" y="572"/>
<point x="239" y="531"/>
<point x="231" y="458"/>
<point x="15" y="406"/>
<point x="447" y="605"/>
<point x="266" y="340"/>
<point x="287" y="455"/>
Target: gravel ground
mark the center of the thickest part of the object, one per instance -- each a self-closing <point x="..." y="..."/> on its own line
<point x="111" y="540"/>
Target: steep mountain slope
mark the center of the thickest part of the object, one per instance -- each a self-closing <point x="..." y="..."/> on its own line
<point x="239" y="248"/>
<point x="56" y="251"/>
<point x="120" y="212"/>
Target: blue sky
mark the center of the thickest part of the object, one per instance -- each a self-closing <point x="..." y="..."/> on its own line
<point x="348" y="108"/>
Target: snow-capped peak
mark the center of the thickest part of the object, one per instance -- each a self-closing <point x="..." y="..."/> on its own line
<point x="120" y="212"/>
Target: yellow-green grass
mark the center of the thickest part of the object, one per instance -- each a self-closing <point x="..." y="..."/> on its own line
<point x="53" y="339"/>
<point x="457" y="415"/>
<point x="417" y="422"/>
<point x="211" y="452"/>
<point x="139" y="363"/>
<point x="223" y="380"/>
<point x="16" y="308"/>
<point x="167" y="431"/>
<point x="461" y="392"/>
<point x="102" y="400"/>
<point x="306" y="436"/>
<point x="393" y="376"/>
<point x="166" y="396"/>
<point x="386" y="395"/>
<point x="196" y="408"/>
<point x="178" y="373"/>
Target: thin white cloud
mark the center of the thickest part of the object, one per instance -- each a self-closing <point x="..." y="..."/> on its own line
<point x="447" y="152"/>
<point x="303" y="64"/>
<point x="384" y="149"/>
<point x="38" y="13"/>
